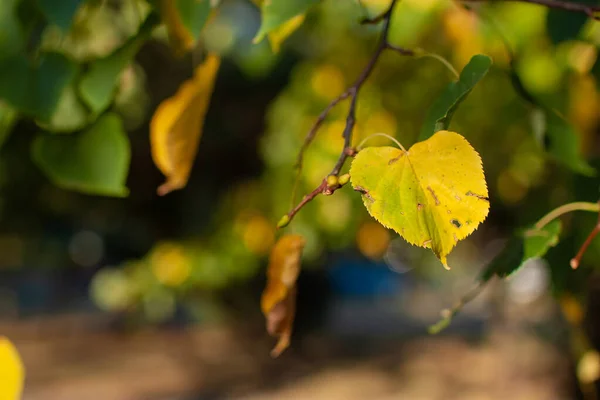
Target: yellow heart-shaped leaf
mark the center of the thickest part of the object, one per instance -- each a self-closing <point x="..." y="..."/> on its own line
<point x="433" y="195"/>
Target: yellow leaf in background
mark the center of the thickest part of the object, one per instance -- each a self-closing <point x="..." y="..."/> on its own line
<point x="278" y="301"/>
<point x="184" y="20"/>
<point x="176" y="126"/>
<point x="181" y="39"/>
<point x="12" y="372"/>
<point x="281" y="33"/>
<point x="433" y="195"/>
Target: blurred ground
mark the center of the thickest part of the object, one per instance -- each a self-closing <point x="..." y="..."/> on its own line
<point x="77" y="357"/>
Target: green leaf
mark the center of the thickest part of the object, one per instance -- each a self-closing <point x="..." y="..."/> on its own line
<point x="60" y="13"/>
<point x="36" y="89"/>
<point x="193" y="14"/>
<point x="557" y="136"/>
<point x="563" y="25"/>
<point x="276" y="12"/>
<point x="99" y="84"/>
<point x="507" y="261"/>
<point x="520" y="248"/>
<point x="8" y="118"/>
<point x="441" y="112"/>
<point x="95" y="161"/>
<point x="538" y="242"/>
<point x="11" y="39"/>
<point x="562" y="142"/>
<point x="69" y="115"/>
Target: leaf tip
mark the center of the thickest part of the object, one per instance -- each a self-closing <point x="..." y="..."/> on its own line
<point x="168" y="187"/>
<point x="282" y="344"/>
<point x="444" y="262"/>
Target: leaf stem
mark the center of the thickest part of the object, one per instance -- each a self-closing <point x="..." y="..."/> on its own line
<point x="448" y="314"/>
<point x="564" y="209"/>
<point x="359" y="147"/>
<point x="443" y="61"/>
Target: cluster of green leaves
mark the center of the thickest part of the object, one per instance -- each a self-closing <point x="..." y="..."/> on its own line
<point x="82" y="144"/>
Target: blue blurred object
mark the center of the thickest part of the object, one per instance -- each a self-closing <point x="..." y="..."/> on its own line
<point x="361" y="277"/>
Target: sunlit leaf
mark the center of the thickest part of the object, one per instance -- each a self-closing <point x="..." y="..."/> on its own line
<point x="278" y="298"/>
<point x="441" y="112"/>
<point x="185" y="20"/>
<point x="60" y="13"/>
<point x="176" y="126"/>
<point x="274" y="13"/>
<point x="12" y="371"/>
<point x="433" y="195"/>
<point x="95" y="161"/>
<point x="99" y="83"/>
<point x="539" y="241"/>
<point x="35" y="89"/>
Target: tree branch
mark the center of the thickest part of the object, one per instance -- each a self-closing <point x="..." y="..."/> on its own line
<point x="590" y="10"/>
<point x="352" y="93"/>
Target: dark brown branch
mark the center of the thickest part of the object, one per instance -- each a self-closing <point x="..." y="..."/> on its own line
<point x="590" y="10"/>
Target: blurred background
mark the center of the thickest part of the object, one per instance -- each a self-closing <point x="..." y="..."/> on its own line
<point x="150" y="297"/>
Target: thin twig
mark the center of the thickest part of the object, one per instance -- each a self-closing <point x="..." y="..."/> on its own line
<point x="318" y="190"/>
<point x="575" y="261"/>
<point x="401" y="50"/>
<point x="589" y="10"/>
<point x="313" y="130"/>
<point x="449" y="313"/>
<point x="352" y="93"/>
<point x="354" y="89"/>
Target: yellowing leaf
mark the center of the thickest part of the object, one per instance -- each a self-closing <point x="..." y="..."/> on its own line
<point x="278" y="35"/>
<point x="433" y="195"/>
<point x="278" y="301"/>
<point x="274" y="13"/>
<point x="12" y="372"/>
<point x="176" y="126"/>
<point x="184" y="20"/>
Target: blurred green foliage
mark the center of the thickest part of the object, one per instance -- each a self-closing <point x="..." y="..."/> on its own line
<point x="70" y="68"/>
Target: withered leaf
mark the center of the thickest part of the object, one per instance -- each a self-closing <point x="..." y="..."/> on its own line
<point x="278" y="301"/>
